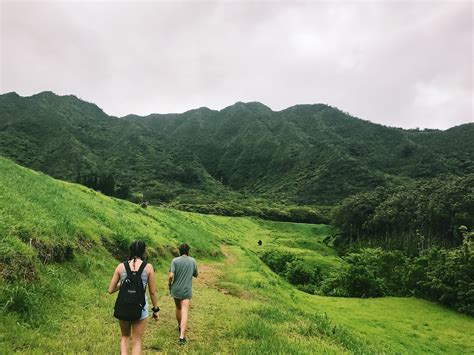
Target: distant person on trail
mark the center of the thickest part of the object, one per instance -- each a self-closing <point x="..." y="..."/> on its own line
<point x="180" y="282"/>
<point x="131" y="308"/>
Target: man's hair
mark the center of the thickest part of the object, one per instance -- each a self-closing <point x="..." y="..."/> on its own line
<point x="183" y="249"/>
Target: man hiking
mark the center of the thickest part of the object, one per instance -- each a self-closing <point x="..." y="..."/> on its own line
<point x="180" y="282"/>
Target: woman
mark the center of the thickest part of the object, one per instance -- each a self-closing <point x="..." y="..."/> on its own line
<point x="137" y="250"/>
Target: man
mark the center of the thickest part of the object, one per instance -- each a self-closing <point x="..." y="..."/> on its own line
<point x="180" y="282"/>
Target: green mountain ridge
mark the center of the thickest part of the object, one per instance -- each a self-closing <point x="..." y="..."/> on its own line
<point x="304" y="155"/>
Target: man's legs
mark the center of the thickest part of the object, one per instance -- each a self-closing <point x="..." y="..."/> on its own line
<point x="182" y="309"/>
<point x="177" y="302"/>
<point x="184" y="317"/>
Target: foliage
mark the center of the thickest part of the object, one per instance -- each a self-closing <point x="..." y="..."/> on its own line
<point x="411" y="217"/>
<point x="104" y="183"/>
<point x="277" y="260"/>
<point x="301" y="272"/>
<point x="309" y="155"/>
<point x="448" y="278"/>
<point x="298" y="271"/>
<point x="442" y="275"/>
<point x="369" y="273"/>
<point x="249" y="207"/>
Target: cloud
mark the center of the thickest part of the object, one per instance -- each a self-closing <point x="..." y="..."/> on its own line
<point x="403" y="64"/>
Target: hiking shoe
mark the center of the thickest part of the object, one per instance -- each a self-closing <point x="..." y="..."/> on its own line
<point x="182" y="341"/>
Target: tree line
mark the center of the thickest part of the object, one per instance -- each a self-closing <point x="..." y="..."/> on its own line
<point x="411" y="217"/>
<point x="105" y="183"/>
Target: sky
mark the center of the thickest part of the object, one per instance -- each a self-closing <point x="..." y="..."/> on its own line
<point x="405" y="64"/>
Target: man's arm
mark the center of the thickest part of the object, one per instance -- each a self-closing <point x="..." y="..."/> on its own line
<point x="195" y="273"/>
<point x="171" y="274"/>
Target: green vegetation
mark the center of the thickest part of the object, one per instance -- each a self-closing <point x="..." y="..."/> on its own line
<point x="421" y="231"/>
<point x="439" y="274"/>
<point x="60" y="243"/>
<point x="411" y="217"/>
<point x="243" y="160"/>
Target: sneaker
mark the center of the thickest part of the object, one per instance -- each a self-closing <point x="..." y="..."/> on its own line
<point x="182" y="341"/>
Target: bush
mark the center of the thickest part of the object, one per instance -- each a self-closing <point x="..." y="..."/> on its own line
<point x="442" y="275"/>
<point x="296" y="270"/>
<point x="277" y="260"/>
<point x="300" y="272"/>
<point x="448" y="278"/>
<point x="369" y="273"/>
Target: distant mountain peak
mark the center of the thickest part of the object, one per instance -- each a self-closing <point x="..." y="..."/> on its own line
<point x="253" y="106"/>
<point x="11" y="93"/>
<point x="46" y="93"/>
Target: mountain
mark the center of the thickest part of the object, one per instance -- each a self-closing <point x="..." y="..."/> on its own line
<point x="305" y="154"/>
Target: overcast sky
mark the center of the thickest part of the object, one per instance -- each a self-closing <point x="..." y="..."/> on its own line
<point x="406" y="64"/>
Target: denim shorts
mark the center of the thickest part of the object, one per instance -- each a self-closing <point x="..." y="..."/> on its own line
<point x="145" y="312"/>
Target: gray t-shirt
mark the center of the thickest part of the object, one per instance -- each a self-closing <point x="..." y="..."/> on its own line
<point x="184" y="268"/>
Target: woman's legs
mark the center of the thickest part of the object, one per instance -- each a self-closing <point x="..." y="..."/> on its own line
<point x="125" y="328"/>
<point x="138" y="328"/>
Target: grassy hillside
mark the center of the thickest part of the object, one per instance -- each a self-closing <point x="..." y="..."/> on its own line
<point x="305" y="155"/>
<point x="60" y="243"/>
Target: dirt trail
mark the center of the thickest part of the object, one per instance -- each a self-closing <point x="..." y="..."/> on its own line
<point x="209" y="275"/>
<point x="231" y="259"/>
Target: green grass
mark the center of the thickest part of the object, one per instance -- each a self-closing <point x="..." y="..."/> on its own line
<point x="57" y="254"/>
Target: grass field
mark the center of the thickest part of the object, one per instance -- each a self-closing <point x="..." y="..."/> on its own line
<point x="60" y="243"/>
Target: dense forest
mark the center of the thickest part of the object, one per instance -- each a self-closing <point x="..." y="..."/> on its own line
<point x="413" y="216"/>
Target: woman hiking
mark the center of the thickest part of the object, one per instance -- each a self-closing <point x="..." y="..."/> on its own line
<point x="131" y="308"/>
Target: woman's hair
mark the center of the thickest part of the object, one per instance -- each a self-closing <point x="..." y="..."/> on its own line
<point x="183" y="249"/>
<point x="137" y="249"/>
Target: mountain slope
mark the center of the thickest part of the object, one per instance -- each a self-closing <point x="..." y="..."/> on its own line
<point x="306" y="154"/>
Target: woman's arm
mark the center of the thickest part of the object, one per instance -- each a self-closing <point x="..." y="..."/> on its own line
<point x="170" y="279"/>
<point x="114" y="283"/>
<point x="152" y="288"/>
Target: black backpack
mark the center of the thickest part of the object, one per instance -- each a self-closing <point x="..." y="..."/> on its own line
<point x="131" y="298"/>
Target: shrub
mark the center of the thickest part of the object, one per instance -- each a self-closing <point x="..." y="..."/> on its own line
<point x="443" y="275"/>
<point x="448" y="278"/>
<point x="300" y="272"/>
<point x="369" y="273"/>
<point x="277" y="260"/>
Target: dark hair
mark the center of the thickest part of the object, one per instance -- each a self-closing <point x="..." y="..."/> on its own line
<point x="137" y="249"/>
<point x="183" y="249"/>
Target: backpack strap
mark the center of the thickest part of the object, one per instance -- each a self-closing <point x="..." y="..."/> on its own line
<point x="139" y="274"/>
<point x="127" y="269"/>
<point x="141" y="268"/>
<point x="139" y="271"/>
